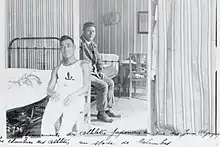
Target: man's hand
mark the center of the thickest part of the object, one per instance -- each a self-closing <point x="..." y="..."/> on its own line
<point x="101" y="74"/>
<point x="55" y="96"/>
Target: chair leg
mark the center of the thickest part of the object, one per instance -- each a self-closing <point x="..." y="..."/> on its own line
<point x="119" y="90"/>
<point x="135" y="88"/>
<point x="130" y="89"/>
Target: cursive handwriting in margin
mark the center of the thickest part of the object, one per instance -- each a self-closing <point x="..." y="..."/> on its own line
<point x="150" y="141"/>
<point x="27" y="140"/>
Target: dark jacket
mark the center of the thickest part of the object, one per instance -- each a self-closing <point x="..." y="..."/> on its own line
<point x="90" y="53"/>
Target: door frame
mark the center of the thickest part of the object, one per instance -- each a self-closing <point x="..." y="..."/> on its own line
<point x="217" y="80"/>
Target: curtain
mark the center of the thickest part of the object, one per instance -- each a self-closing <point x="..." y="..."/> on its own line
<point x="186" y="66"/>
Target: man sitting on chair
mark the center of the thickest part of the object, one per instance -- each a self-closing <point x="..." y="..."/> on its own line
<point x="103" y="85"/>
<point x="69" y="82"/>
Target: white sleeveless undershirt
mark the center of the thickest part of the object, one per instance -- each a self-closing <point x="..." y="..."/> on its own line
<point x="70" y="79"/>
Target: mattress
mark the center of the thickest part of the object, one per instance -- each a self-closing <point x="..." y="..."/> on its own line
<point x="25" y="86"/>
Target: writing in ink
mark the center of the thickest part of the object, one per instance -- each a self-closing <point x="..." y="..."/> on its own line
<point x="59" y="141"/>
<point x="153" y="142"/>
<point x="94" y="131"/>
<point x="117" y="133"/>
<point x="83" y="142"/>
<point x="1" y="140"/>
<point x="24" y="141"/>
<point x="125" y="142"/>
<point x="102" y="142"/>
<point x="206" y="133"/>
<point x="41" y="141"/>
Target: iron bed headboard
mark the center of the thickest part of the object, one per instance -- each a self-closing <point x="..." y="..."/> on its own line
<point x="43" y="53"/>
<point x="34" y="52"/>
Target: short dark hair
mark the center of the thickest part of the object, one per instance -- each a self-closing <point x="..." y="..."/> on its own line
<point x="65" y="37"/>
<point x="88" y="24"/>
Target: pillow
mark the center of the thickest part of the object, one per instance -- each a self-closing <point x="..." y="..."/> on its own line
<point x="110" y="71"/>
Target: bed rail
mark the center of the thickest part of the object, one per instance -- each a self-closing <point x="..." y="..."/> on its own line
<point x="34" y="52"/>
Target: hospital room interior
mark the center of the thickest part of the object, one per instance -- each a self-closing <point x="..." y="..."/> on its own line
<point x="160" y="55"/>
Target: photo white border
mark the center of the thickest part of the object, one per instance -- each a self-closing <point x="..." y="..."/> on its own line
<point x="3" y="88"/>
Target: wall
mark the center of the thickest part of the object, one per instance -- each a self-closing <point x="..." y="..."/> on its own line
<point x="42" y="18"/>
<point x="121" y="38"/>
<point x="32" y="18"/>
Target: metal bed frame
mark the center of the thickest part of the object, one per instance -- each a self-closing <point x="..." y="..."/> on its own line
<point x="28" y="52"/>
<point x="22" y="53"/>
<point x="38" y="53"/>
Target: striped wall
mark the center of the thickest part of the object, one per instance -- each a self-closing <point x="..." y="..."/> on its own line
<point x="121" y="38"/>
<point x="42" y="18"/>
<point x="33" y="18"/>
<point x="186" y="67"/>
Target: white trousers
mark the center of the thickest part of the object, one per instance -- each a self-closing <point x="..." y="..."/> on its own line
<point x="70" y="115"/>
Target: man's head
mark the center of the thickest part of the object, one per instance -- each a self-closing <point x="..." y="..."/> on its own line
<point x="67" y="46"/>
<point x="89" y="31"/>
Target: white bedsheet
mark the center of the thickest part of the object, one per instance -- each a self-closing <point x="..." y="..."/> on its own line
<point x="18" y="96"/>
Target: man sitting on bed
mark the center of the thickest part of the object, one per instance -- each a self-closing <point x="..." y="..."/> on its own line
<point x="103" y="85"/>
<point x="69" y="82"/>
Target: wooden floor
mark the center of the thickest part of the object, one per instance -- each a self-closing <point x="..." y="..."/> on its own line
<point x="134" y="115"/>
<point x="133" y="111"/>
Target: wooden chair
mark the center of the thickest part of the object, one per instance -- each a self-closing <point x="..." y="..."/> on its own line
<point x="138" y="72"/>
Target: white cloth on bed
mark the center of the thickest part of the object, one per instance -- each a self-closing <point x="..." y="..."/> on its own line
<point x="19" y="96"/>
<point x="70" y="79"/>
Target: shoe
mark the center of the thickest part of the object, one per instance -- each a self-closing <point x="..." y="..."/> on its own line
<point x="103" y="117"/>
<point x="112" y="113"/>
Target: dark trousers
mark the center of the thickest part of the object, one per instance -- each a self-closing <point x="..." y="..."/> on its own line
<point x="105" y="92"/>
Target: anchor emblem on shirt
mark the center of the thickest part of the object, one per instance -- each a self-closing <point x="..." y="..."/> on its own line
<point x="69" y="77"/>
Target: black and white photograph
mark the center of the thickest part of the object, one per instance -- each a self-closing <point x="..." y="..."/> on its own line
<point x="110" y="72"/>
